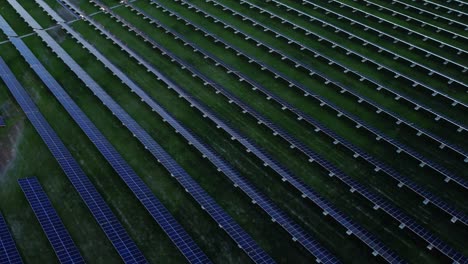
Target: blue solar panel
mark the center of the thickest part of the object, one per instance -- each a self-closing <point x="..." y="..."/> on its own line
<point x="2" y="121"/>
<point x="139" y="188"/>
<point x="8" y="251"/>
<point x="52" y="225"/>
<point x="226" y="222"/>
<point x="96" y="204"/>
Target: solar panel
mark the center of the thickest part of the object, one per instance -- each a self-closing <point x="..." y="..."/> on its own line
<point x="51" y="224"/>
<point x="8" y="252"/>
<point x="267" y="123"/>
<point x="96" y="204"/>
<point x="225" y="221"/>
<point x="177" y="234"/>
<point x="2" y="121"/>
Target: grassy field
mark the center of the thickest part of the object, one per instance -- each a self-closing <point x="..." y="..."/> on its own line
<point x="26" y="155"/>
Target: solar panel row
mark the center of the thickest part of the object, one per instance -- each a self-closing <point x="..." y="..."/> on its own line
<point x="267" y="205"/>
<point x="225" y="221"/>
<point x="96" y="204"/>
<point x="429" y="197"/>
<point x="51" y="224"/>
<point x="144" y="194"/>
<point x="341" y="112"/>
<point x="398" y="215"/>
<point x="8" y="252"/>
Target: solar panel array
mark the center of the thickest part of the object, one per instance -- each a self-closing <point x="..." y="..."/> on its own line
<point x="403" y="219"/>
<point x="144" y="194"/>
<point x="51" y="224"/>
<point x="456" y="214"/>
<point x="351" y="227"/>
<point x="448" y="9"/>
<point x="415" y="83"/>
<point x="394" y="212"/>
<point x="434" y="16"/>
<point x="182" y="240"/>
<point x="365" y="59"/>
<point x="379" y="86"/>
<point x="419" y="22"/>
<point x="423" y="37"/>
<point x="225" y="221"/>
<point x="111" y="226"/>
<point x="8" y="252"/>
<point x="267" y="205"/>
<point x="379" y="165"/>
<point x="341" y="112"/>
<point x="395" y="39"/>
<point x="359" y="123"/>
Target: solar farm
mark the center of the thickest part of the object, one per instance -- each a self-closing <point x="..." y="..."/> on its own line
<point x="218" y="131"/>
